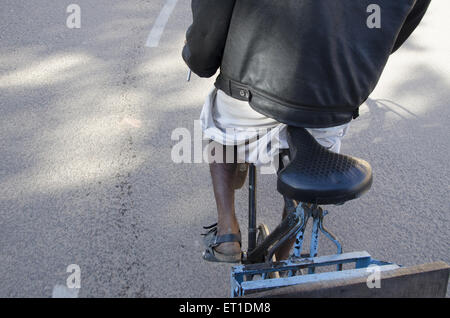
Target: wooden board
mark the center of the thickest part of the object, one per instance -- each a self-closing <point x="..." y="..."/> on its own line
<point x="428" y="280"/>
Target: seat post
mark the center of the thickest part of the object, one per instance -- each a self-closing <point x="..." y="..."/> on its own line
<point x="317" y="214"/>
<point x="251" y="207"/>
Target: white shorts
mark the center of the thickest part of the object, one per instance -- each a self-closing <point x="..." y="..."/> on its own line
<point x="259" y="139"/>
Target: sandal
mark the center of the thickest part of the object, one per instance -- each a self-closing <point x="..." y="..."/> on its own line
<point x="209" y="236"/>
<point x="211" y="241"/>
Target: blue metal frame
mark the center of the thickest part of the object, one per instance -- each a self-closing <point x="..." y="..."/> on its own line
<point x="317" y="213"/>
<point x="242" y="276"/>
<point x="241" y="284"/>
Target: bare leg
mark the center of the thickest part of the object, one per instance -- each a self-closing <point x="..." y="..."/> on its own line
<point x="226" y="177"/>
<point x="241" y="175"/>
<point x="283" y="251"/>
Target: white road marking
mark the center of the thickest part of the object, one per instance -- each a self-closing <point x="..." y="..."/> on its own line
<point x="60" y="291"/>
<point x="160" y="24"/>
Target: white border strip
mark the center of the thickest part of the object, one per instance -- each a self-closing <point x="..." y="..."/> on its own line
<point x="60" y="291"/>
<point x="160" y="24"/>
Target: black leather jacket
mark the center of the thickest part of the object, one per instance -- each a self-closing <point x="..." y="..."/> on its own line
<point x="306" y="63"/>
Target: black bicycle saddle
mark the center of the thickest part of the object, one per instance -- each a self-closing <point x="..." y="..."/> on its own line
<point x="320" y="176"/>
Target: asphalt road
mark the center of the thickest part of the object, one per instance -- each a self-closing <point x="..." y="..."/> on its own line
<point x="86" y="176"/>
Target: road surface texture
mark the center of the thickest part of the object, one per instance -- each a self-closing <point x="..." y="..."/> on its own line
<point x="86" y="176"/>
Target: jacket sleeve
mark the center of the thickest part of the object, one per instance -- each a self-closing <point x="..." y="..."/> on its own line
<point x="412" y="22"/>
<point x="207" y="35"/>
